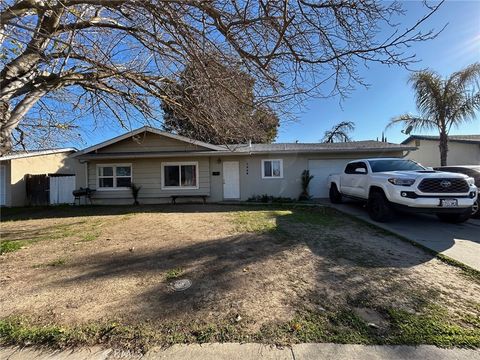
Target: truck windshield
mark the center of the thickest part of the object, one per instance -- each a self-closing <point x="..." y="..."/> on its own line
<point x="393" y="165"/>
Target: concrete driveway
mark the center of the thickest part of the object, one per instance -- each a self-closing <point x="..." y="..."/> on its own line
<point x="457" y="241"/>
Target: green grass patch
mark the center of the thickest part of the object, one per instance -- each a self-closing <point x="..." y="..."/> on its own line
<point x="432" y="325"/>
<point x="435" y="327"/>
<point x="271" y="219"/>
<point x="83" y="229"/>
<point x="258" y="221"/>
<point x="10" y="242"/>
<point x="19" y="331"/>
<point x="337" y="326"/>
<point x="321" y="216"/>
<point x="10" y="246"/>
<point x="90" y="236"/>
<point x="173" y="274"/>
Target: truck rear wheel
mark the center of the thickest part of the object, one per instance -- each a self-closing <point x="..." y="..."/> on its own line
<point x="455" y="218"/>
<point x="335" y="195"/>
<point x="379" y="207"/>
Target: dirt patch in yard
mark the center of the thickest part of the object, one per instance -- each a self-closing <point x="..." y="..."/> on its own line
<point x="263" y="270"/>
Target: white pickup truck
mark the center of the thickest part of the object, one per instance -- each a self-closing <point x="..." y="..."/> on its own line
<point x="389" y="184"/>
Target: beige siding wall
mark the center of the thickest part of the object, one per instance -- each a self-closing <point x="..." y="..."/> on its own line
<point x="81" y="179"/>
<point x="251" y="182"/>
<point x="149" y="142"/>
<point x="44" y="164"/>
<point x="428" y="153"/>
<point x="147" y="174"/>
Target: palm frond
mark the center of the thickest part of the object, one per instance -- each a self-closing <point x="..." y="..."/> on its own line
<point x="428" y="88"/>
<point x="463" y="79"/>
<point x="416" y="122"/>
<point x="466" y="111"/>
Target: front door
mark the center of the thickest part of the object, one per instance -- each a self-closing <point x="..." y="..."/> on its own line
<point x="231" y="180"/>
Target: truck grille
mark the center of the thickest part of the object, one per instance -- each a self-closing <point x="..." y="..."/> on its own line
<point x="443" y="186"/>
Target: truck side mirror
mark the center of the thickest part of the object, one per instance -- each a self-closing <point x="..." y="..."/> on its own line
<point x="360" y="170"/>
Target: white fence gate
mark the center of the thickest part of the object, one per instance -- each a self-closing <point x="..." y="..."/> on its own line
<point x="61" y="188"/>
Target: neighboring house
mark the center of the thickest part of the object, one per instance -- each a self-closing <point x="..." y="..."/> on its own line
<point x="164" y="164"/>
<point x="462" y="149"/>
<point x="15" y="166"/>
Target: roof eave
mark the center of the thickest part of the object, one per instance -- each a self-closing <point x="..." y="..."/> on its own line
<point x="99" y="156"/>
<point x="424" y="138"/>
<point x="143" y="129"/>
<point x="37" y="153"/>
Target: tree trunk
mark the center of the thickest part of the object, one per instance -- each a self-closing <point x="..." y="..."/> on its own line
<point x="10" y="119"/>
<point x="443" y="146"/>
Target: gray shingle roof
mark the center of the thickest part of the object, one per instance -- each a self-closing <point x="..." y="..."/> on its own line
<point x="475" y="139"/>
<point x="367" y="145"/>
<point x="28" y="153"/>
<point x="240" y="149"/>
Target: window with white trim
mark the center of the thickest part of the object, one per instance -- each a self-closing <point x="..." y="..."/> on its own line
<point x="117" y="176"/>
<point x="272" y="169"/>
<point x="181" y="175"/>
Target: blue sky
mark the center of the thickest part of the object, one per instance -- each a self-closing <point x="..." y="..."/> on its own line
<point x="389" y="94"/>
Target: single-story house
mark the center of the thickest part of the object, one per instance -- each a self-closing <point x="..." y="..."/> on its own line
<point x="462" y="149"/>
<point x="166" y="165"/>
<point x="15" y="166"/>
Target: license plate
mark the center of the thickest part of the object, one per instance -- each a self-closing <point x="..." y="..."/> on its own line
<point x="448" y="202"/>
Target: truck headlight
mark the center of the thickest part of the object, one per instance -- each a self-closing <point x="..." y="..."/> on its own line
<point x="401" y="181"/>
<point x="471" y="181"/>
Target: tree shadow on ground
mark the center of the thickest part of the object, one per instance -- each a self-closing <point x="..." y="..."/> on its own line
<point x="303" y="257"/>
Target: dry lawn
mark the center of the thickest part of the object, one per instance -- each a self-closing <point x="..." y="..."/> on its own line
<point x="258" y="274"/>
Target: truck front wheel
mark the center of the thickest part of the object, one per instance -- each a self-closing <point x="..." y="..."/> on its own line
<point x="379" y="207"/>
<point x="335" y="195"/>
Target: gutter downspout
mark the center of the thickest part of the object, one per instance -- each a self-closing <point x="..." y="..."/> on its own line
<point x="86" y="173"/>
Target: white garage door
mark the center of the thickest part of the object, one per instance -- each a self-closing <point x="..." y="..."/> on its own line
<point x="320" y="169"/>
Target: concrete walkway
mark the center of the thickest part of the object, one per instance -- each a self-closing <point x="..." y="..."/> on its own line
<point x="457" y="241"/>
<point x="255" y="352"/>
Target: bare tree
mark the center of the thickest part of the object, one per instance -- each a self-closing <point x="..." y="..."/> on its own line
<point x="197" y="101"/>
<point x="113" y="58"/>
<point x="339" y="133"/>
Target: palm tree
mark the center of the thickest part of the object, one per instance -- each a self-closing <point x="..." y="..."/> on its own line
<point x="339" y="133"/>
<point x="443" y="103"/>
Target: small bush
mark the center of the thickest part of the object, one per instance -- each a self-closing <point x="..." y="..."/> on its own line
<point x="306" y="178"/>
<point x="135" y="190"/>
<point x="265" y="198"/>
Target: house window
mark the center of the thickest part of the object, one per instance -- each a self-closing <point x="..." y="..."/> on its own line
<point x="272" y="169"/>
<point x="114" y="176"/>
<point x="182" y="175"/>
